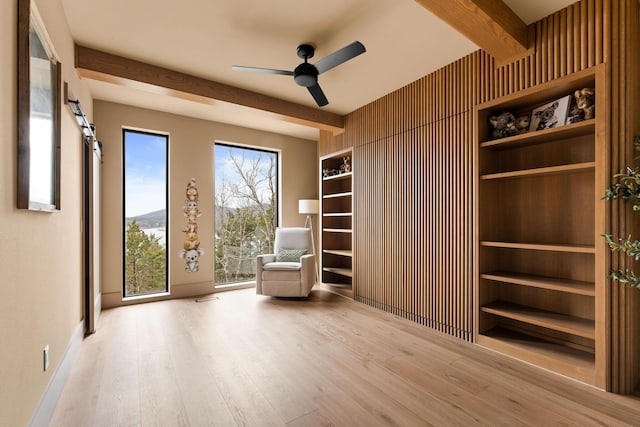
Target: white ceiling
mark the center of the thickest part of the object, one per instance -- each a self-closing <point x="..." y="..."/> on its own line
<point x="206" y="37"/>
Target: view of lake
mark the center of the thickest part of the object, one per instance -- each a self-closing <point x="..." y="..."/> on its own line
<point x="153" y="224"/>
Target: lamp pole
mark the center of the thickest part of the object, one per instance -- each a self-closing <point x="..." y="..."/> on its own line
<point x="310" y="207"/>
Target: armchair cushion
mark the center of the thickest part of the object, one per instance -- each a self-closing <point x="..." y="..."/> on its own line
<point x="282" y="266"/>
<point x="289" y="255"/>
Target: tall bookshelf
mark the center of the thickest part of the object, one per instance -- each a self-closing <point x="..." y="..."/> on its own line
<point x="540" y="274"/>
<point x="336" y="223"/>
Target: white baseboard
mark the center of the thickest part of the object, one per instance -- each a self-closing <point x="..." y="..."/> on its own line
<point x="49" y="399"/>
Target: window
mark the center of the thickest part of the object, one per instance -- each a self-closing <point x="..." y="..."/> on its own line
<point x="145" y="212"/>
<point x="246" y="200"/>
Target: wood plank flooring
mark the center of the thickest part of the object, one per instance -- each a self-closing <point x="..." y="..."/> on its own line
<point x="241" y="359"/>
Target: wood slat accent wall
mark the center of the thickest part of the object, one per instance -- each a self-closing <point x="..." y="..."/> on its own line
<point x="413" y="172"/>
<point x="624" y="303"/>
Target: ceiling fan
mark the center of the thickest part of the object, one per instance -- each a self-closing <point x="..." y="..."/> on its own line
<point x="306" y="74"/>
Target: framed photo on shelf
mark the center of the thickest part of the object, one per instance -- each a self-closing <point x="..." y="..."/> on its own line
<point x="550" y="115"/>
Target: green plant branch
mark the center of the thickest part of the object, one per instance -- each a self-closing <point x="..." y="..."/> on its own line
<point x="626" y="276"/>
<point x="628" y="189"/>
<point x="626" y="246"/>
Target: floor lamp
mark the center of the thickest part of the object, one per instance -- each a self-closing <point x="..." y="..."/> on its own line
<point x="310" y="207"/>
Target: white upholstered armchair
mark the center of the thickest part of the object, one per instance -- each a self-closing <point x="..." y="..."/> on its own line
<point x="290" y="271"/>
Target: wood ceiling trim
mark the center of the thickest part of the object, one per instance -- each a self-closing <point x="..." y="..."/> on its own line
<point x="490" y="24"/>
<point x="102" y="66"/>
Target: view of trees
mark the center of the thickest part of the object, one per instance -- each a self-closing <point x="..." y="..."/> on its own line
<point x="245" y="218"/>
<point x="145" y="262"/>
<point x="145" y="177"/>
<point x="245" y="203"/>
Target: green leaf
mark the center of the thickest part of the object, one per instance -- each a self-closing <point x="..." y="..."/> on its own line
<point x="626" y="277"/>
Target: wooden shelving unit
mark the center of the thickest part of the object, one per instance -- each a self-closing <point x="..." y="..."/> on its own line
<point x="540" y="272"/>
<point x="336" y="241"/>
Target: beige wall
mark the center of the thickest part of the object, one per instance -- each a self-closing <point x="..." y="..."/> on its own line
<point x="40" y="253"/>
<point x="190" y="155"/>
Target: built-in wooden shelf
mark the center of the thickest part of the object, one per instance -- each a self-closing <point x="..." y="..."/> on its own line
<point x="341" y="271"/>
<point x="550" y="170"/>
<point x="537" y="227"/>
<point x="573" y="130"/>
<point x="336" y="223"/>
<point x="580" y="249"/>
<point x="551" y="283"/>
<point x="335" y="195"/>
<point x="337" y="230"/>
<point x="556" y="357"/>
<point x="558" y="322"/>
<point x="341" y="252"/>
<point x="337" y="177"/>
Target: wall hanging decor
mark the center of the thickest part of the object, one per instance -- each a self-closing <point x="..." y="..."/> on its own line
<point x="39" y="104"/>
<point x="191" y="251"/>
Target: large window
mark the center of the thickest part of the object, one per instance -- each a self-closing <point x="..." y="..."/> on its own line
<point x="145" y="212"/>
<point x="246" y="200"/>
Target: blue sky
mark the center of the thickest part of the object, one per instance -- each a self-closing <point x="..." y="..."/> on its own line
<point x="145" y="158"/>
<point x="145" y="170"/>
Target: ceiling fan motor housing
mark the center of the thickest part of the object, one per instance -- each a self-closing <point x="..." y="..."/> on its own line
<point x="306" y="75"/>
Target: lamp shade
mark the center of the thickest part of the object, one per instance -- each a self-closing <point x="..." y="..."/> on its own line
<point x="308" y="207"/>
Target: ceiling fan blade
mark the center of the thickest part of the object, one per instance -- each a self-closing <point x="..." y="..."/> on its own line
<point x="338" y="57"/>
<point x="318" y="95"/>
<point x="262" y="70"/>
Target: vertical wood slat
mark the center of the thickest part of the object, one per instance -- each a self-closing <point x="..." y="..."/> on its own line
<point x="417" y="143"/>
<point x="577" y="37"/>
<point x="569" y="36"/>
<point x="591" y="39"/>
<point x="544" y="55"/>
<point x="584" y="32"/>
<point x="555" y="36"/>
<point x="562" y="35"/>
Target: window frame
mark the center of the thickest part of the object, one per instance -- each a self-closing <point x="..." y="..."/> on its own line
<point x="167" y="290"/>
<point x="278" y="172"/>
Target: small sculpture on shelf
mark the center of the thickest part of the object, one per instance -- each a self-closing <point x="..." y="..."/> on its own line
<point x="345" y="167"/>
<point x="575" y="114"/>
<point x="503" y="125"/>
<point x="522" y="124"/>
<point x="585" y="101"/>
<point x="329" y="172"/>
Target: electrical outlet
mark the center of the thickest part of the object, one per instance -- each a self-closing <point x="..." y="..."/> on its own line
<point x="45" y="355"/>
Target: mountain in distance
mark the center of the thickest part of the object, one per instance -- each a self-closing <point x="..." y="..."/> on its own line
<point x="155" y="219"/>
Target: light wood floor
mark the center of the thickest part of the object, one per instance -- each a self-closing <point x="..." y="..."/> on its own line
<point x="243" y="359"/>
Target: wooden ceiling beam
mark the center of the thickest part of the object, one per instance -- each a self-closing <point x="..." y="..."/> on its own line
<point x="490" y="24"/>
<point x="98" y="65"/>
